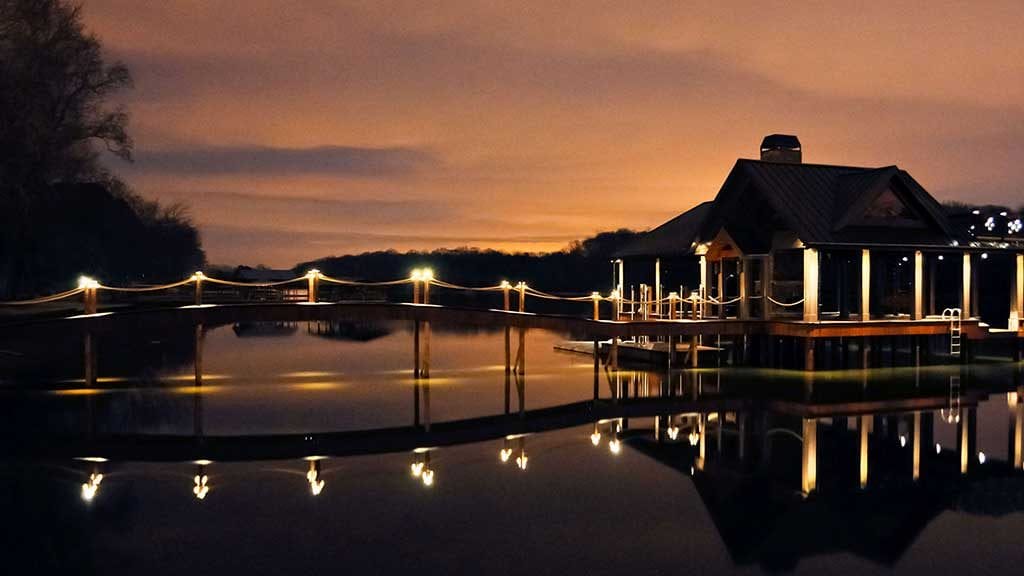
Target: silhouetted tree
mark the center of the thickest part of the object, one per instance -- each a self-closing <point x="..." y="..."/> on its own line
<point x="61" y="212"/>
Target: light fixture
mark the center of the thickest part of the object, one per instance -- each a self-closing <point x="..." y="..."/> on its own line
<point x="981" y="457"/>
<point x="938" y="448"/>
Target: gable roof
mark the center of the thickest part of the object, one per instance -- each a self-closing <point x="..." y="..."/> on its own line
<point x="822" y="204"/>
<point x="673" y="238"/>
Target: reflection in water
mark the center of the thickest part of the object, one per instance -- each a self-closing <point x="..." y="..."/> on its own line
<point x="771" y="456"/>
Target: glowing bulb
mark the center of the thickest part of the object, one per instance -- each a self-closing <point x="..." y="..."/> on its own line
<point x="615" y="295"/>
<point x="981" y="457"/>
<point x="198" y="275"/>
<point x="416" y="275"/>
<point x="984" y="255"/>
<point x="427" y="274"/>
<point x="941" y="257"/>
<point x="428" y="477"/>
<point x="614" y="446"/>
<point x="313" y="273"/>
<point x="595" y="438"/>
<point x="417" y="468"/>
<point x="903" y="441"/>
<point x="86" y="282"/>
<point x="505" y="285"/>
<point x="694" y="438"/>
<point x="938" y="448"/>
<point x="673" y="432"/>
<point x="505" y="454"/>
<point x="595" y="295"/>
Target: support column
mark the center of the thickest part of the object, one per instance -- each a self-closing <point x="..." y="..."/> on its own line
<point x="810" y="285"/>
<point x="918" y="285"/>
<point x="865" y="285"/>
<point x="721" y="287"/>
<point x="657" y="286"/>
<point x="703" y="289"/>
<point x="1017" y="293"/>
<point x="767" y="275"/>
<point x="744" y="302"/>
<point x="965" y="302"/>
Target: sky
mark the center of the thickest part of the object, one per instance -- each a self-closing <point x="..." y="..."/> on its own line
<point x="298" y="130"/>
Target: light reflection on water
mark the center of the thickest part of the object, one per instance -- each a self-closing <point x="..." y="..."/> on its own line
<point x="721" y="469"/>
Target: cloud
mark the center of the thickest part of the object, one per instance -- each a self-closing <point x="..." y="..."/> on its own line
<point x="269" y="160"/>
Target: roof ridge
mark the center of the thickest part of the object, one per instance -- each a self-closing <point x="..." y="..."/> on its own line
<point x="815" y="165"/>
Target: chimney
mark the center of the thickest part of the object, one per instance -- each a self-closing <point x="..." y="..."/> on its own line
<point x="781" y="148"/>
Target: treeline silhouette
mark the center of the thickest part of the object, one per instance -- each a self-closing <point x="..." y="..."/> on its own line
<point x="582" y="267"/>
<point x="62" y="213"/>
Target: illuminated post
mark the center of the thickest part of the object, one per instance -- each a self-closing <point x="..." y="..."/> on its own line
<point x="918" y="285"/>
<point x="810" y="285"/>
<point x="673" y="299"/>
<point x="521" y="288"/>
<point x="197" y="277"/>
<point x="865" y="285"/>
<point x="505" y="288"/>
<point x="90" y="290"/>
<point x="744" y="302"/>
<point x="702" y="444"/>
<point x="966" y="297"/>
<point x="416" y="274"/>
<point x="597" y="305"/>
<point x="313" y="281"/>
<point x="657" y="285"/>
<point x="703" y="285"/>
<point x="809" y="461"/>
<point x="865" y="425"/>
<point x="427" y="275"/>
<point x="1017" y="293"/>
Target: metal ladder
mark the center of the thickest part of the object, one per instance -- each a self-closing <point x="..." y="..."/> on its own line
<point x="954" y="329"/>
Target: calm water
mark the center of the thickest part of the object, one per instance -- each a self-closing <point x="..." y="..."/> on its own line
<point x="303" y="439"/>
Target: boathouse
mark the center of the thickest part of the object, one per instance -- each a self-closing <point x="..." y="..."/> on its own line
<point x="801" y="243"/>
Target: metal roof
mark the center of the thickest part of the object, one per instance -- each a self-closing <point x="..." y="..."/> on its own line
<point x="821" y="203"/>
<point x="673" y="238"/>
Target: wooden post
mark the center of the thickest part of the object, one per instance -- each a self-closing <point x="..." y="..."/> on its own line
<point x="1017" y="293"/>
<point x="965" y="302"/>
<point x="810" y="285"/>
<point x="721" y="287"/>
<point x="657" y="286"/>
<point x="415" y="290"/>
<point x="809" y="344"/>
<point x="673" y="298"/>
<point x="90" y="299"/>
<point x="505" y="288"/>
<point x="865" y="285"/>
<point x="426" y="291"/>
<point x="767" y="276"/>
<point x="918" y="285"/>
<point x="521" y="287"/>
<point x="597" y="305"/>
<point x="694" y="351"/>
<point x="703" y="290"/>
<point x="199" y="288"/>
<point x="312" y="279"/>
<point x="744" y="303"/>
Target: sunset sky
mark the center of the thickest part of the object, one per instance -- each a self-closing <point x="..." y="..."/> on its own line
<point x="296" y="130"/>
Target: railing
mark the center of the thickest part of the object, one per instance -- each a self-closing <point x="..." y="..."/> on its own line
<point x="421" y="280"/>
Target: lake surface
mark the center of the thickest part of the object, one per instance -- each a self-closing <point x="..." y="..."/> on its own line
<point x="338" y="447"/>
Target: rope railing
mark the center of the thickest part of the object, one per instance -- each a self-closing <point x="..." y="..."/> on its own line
<point x="420" y="278"/>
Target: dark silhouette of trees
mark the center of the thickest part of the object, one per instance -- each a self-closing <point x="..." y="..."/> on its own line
<point x="62" y="213"/>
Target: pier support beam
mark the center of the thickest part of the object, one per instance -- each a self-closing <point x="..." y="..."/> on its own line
<point x="1017" y="293"/>
<point x="865" y="285"/>
<point x="865" y="427"/>
<point x="918" y="285"/>
<point x="810" y="285"/>
<point x="744" y="312"/>
<point x="965" y="299"/>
